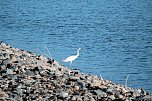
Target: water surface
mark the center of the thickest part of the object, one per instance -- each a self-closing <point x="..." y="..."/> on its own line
<point x="115" y="36"/>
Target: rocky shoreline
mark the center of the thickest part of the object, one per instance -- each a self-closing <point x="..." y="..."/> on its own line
<point x="25" y="76"/>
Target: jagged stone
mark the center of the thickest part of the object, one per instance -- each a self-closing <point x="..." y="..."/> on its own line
<point x="9" y="71"/>
<point x="63" y="94"/>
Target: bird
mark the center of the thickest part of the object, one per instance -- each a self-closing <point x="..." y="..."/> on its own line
<point x="72" y="58"/>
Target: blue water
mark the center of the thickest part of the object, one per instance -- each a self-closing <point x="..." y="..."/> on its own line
<point x="115" y="36"/>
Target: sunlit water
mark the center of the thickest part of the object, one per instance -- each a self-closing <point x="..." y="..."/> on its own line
<point x="115" y="36"/>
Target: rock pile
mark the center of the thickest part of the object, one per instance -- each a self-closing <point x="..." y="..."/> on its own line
<point x="27" y="76"/>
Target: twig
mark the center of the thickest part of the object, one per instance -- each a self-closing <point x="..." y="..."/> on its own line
<point x="48" y="52"/>
<point x="45" y="54"/>
<point x="101" y="77"/>
<point x="126" y="81"/>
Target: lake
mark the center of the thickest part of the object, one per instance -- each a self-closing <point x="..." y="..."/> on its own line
<point x="115" y="36"/>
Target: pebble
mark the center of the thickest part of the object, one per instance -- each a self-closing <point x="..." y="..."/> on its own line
<point x="79" y="99"/>
<point x="100" y="93"/>
<point x="86" y="98"/>
<point x="110" y="91"/>
<point x="9" y="71"/>
<point x="112" y="97"/>
<point x="63" y="94"/>
<point x="76" y="87"/>
<point x="73" y="98"/>
<point x="120" y="96"/>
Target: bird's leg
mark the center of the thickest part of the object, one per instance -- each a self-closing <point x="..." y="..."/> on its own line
<point x="70" y="63"/>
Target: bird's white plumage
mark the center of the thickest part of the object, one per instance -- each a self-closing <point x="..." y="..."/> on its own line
<point x="72" y="58"/>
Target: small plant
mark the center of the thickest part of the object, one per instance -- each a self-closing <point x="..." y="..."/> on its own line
<point x="126" y="81"/>
<point x="101" y="77"/>
<point x="48" y="52"/>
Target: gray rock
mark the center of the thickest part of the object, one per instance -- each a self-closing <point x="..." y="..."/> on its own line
<point x="63" y="94"/>
<point x="6" y="55"/>
<point x="136" y="92"/>
<point x="3" y="44"/>
<point x="128" y="94"/>
<point x="30" y="82"/>
<point x="86" y="98"/>
<point x="21" y="62"/>
<point x="92" y="99"/>
<point x="145" y="98"/>
<point x="73" y="98"/>
<point x="120" y="96"/>
<point x="81" y="83"/>
<point x="76" y="87"/>
<point x="9" y="71"/>
<point x="43" y="73"/>
<point x="143" y="91"/>
<point x="58" y="73"/>
<point x="3" y="67"/>
<point x="110" y="90"/>
<point x="2" y="57"/>
<point x="29" y="72"/>
<point x="23" y="69"/>
<point x="100" y="93"/>
<point x="112" y="97"/>
<point x="79" y="99"/>
<point x="5" y="62"/>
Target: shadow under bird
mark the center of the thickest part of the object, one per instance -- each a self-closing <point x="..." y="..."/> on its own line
<point x="72" y="58"/>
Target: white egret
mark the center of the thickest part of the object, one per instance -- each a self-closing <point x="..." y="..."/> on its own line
<point x="71" y="58"/>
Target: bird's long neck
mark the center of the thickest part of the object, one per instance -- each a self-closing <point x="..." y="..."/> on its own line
<point x="77" y="53"/>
